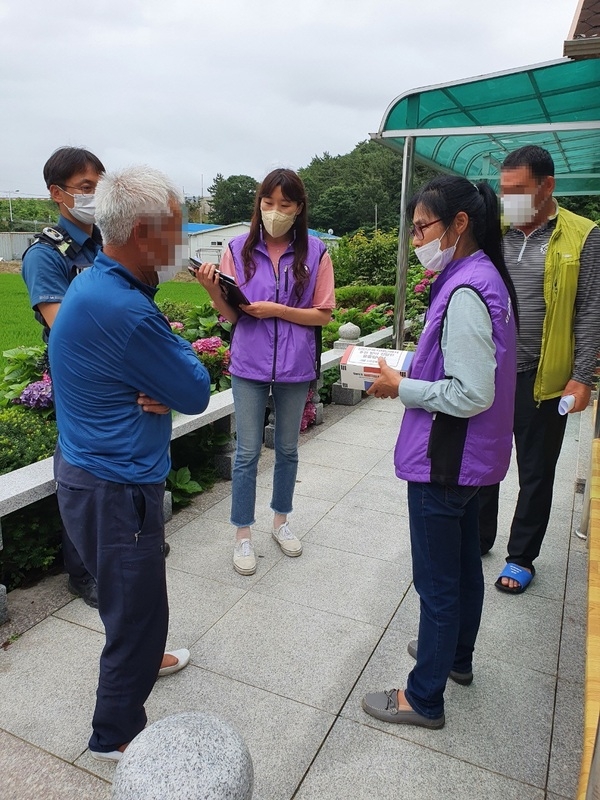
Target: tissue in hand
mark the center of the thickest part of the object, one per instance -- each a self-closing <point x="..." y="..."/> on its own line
<point x="566" y="404"/>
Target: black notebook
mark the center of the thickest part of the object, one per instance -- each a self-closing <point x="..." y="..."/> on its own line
<point x="233" y="294"/>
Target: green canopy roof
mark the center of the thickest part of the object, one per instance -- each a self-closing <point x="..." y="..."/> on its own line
<point x="468" y="127"/>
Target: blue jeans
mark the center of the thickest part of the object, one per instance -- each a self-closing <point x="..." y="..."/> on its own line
<point x="448" y="577"/>
<point x="250" y="402"/>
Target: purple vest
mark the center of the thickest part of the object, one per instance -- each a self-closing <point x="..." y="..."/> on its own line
<point x="275" y="350"/>
<point x="439" y="448"/>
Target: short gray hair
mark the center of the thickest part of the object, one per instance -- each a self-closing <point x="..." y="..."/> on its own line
<point x="124" y="197"/>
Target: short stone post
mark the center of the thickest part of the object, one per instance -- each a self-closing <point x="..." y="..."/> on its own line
<point x="193" y="756"/>
<point x="316" y="400"/>
<point x="270" y="426"/>
<point x="349" y="334"/>
<point x="167" y="505"/>
<point x="3" y="601"/>
<point x="225" y="454"/>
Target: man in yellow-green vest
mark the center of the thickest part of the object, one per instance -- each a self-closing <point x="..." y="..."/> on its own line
<point x="553" y="257"/>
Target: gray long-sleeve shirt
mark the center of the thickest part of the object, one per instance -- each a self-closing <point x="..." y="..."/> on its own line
<point x="469" y="358"/>
<point x="525" y="258"/>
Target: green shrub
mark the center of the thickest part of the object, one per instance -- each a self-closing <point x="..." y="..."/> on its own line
<point x="25" y="437"/>
<point x="195" y="453"/>
<point x="330" y="376"/>
<point x="369" y="320"/>
<point x="31" y="542"/>
<point x="202" y="322"/>
<point x="31" y="536"/>
<point x="22" y="366"/>
<point x="363" y="296"/>
<point x="181" y="486"/>
<point x="366" y="259"/>
<point x="175" y="310"/>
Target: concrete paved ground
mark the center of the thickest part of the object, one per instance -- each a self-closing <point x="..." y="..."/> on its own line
<point x="286" y="655"/>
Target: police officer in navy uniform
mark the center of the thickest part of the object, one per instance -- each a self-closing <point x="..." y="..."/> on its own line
<point x="50" y="264"/>
<point x="55" y="258"/>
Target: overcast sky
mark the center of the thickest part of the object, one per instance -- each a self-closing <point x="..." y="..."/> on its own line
<point x="237" y="86"/>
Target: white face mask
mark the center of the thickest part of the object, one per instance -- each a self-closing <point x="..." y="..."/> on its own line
<point x="84" y="209"/>
<point x="518" y="209"/>
<point x="433" y="257"/>
<point x="276" y="223"/>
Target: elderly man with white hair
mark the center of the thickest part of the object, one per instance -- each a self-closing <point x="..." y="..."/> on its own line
<point x="110" y="342"/>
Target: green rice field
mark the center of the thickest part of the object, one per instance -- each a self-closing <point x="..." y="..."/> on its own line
<point x="19" y="327"/>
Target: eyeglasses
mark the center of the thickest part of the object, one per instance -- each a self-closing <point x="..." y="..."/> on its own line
<point x="85" y="189"/>
<point x="416" y="230"/>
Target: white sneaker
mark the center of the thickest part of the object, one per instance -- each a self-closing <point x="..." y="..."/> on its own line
<point x="183" y="659"/>
<point x="114" y="755"/>
<point x="290" y="544"/>
<point x="244" y="560"/>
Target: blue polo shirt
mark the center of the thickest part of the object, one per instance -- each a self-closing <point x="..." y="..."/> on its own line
<point x="109" y="342"/>
<point x="48" y="274"/>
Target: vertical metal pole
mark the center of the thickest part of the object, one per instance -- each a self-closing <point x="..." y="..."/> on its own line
<point x="402" y="263"/>
<point x="10" y="207"/>
<point x="584" y="523"/>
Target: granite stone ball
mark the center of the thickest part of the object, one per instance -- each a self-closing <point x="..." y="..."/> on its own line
<point x="349" y="331"/>
<point x="194" y="755"/>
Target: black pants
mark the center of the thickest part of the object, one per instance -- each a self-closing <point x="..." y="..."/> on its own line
<point x="118" y="529"/>
<point x="539" y="432"/>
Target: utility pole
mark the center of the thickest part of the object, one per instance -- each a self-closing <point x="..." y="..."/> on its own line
<point x="201" y="195"/>
<point x="375" y="217"/>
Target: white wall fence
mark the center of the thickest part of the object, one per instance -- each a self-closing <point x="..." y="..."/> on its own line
<point x="13" y="245"/>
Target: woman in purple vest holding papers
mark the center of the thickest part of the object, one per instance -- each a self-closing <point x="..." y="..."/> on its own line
<point x="456" y="433"/>
<point x="287" y="277"/>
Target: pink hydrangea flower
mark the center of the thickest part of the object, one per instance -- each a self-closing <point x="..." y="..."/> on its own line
<point x="176" y="326"/>
<point x="210" y="345"/>
<point x="419" y="288"/>
<point x="370" y="308"/>
<point x="309" y="414"/>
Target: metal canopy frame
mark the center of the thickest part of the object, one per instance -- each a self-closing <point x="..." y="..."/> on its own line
<point x="468" y="127"/>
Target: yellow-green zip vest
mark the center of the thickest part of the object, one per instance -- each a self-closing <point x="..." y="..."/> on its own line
<point x="561" y="275"/>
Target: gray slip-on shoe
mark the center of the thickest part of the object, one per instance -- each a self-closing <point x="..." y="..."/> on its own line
<point x="464" y="678"/>
<point x="384" y="706"/>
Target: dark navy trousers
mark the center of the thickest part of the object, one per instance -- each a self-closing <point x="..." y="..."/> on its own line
<point x="71" y="558"/>
<point x="118" y="530"/>
<point x="539" y="432"/>
<point x="448" y="578"/>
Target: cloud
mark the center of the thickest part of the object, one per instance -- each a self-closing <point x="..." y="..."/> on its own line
<point x="237" y="87"/>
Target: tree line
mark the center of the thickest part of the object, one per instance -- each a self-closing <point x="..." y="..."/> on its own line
<point x="356" y="191"/>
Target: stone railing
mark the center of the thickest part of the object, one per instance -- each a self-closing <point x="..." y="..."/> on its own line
<point x="24" y="486"/>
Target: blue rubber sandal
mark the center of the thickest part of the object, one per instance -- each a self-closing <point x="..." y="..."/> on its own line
<point x="515" y="573"/>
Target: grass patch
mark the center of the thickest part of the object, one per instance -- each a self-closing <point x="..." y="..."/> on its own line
<point x="183" y="291"/>
<point x="18" y="325"/>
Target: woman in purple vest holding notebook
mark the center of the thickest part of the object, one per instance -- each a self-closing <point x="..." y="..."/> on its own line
<point x="287" y="277"/>
<point x="456" y="433"/>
